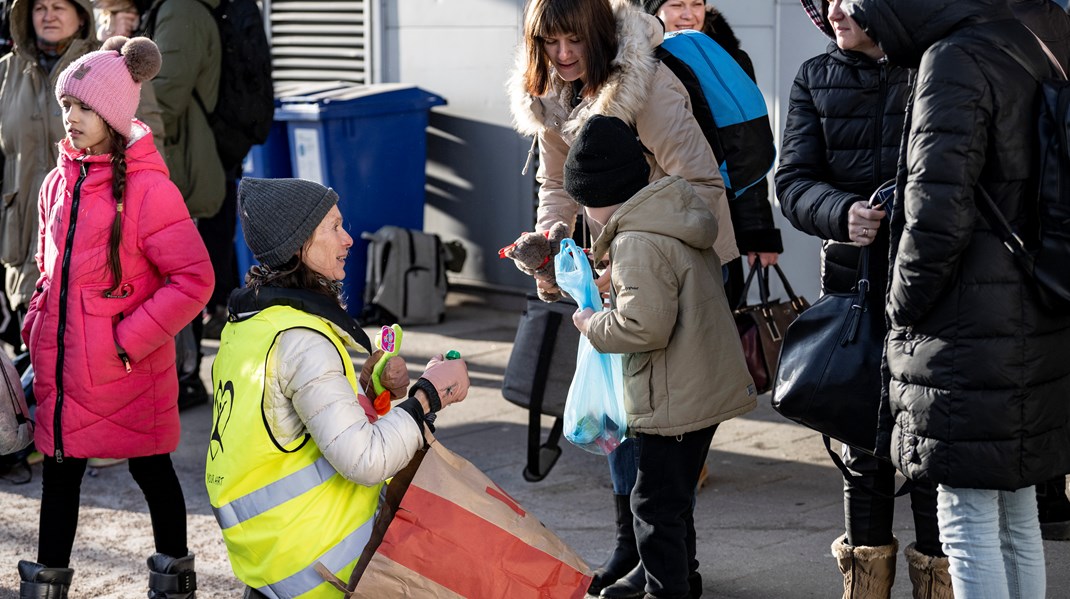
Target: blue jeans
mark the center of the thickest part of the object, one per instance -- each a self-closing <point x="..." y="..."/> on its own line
<point x="624" y="466"/>
<point x="992" y="541"/>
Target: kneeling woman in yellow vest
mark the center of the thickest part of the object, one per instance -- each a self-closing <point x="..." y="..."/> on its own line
<point x="298" y="454"/>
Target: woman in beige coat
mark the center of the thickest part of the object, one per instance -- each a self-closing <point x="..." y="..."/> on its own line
<point x="585" y="57"/>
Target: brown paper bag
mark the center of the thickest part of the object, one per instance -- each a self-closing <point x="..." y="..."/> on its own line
<point x="446" y="530"/>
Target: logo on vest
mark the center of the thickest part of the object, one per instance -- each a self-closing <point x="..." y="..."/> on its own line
<point x="81" y="72"/>
<point x="224" y="407"/>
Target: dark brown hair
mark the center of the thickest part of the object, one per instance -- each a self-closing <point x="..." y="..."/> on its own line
<point x="592" y="21"/>
<point x="295" y="274"/>
<point x="118" y="189"/>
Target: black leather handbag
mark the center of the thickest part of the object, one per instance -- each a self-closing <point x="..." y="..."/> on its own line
<point x="829" y="377"/>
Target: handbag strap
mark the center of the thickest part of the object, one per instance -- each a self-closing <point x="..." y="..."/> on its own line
<point x="796" y="302"/>
<point x="533" y="472"/>
<point x="1002" y="227"/>
<point x="742" y="303"/>
<point x="859" y="482"/>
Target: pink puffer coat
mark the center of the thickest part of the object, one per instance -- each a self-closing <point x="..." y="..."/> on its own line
<point x="90" y="404"/>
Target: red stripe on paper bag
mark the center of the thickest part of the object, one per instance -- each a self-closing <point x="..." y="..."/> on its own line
<point x="457" y="549"/>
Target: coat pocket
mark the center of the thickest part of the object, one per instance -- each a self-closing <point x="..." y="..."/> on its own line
<point x="101" y="315"/>
<point x="638" y="383"/>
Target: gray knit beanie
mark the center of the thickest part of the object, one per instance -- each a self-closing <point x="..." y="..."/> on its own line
<point x="279" y="215"/>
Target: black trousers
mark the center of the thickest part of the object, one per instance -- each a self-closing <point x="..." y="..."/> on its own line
<point x="664" y="509"/>
<point x="868" y="517"/>
<point x="61" y="488"/>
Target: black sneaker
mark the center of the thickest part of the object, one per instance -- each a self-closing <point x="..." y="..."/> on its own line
<point x="1054" y="509"/>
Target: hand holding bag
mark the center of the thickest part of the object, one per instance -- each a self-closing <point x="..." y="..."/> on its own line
<point x="595" y="419"/>
<point x="829" y="377"/>
<point x="16" y="427"/>
<point x="761" y="326"/>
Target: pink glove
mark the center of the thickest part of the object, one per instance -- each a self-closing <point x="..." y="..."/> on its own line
<point x="449" y="378"/>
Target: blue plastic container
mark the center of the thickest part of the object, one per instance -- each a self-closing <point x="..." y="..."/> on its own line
<point x="368" y="143"/>
<point x="268" y="160"/>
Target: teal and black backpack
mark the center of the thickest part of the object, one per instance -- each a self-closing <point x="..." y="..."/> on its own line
<point x="727" y="105"/>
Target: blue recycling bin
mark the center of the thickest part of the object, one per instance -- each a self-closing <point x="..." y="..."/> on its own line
<point x="270" y="159"/>
<point x="368" y="143"/>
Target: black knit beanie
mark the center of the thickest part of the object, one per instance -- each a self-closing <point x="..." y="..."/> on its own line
<point x="606" y="164"/>
<point x="279" y="215"/>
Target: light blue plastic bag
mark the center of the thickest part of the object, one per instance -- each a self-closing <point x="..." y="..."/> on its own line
<point x="594" y="411"/>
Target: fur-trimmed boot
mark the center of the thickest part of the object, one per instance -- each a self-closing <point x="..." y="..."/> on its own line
<point x="171" y="577"/>
<point x="39" y="582"/>
<point x="625" y="555"/>
<point x="868" y="572"/>
<point x="928" y="575"/>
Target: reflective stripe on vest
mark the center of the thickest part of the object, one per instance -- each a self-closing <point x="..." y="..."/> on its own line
<point x="335" y="560"/>
<point x="275" y="494"/>
<point x="281" y="506"/>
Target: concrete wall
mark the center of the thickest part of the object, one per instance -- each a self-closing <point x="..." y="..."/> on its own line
<point x="463" y="50"/>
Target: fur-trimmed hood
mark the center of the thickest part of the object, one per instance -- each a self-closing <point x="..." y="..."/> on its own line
<point x="623" y="95"/>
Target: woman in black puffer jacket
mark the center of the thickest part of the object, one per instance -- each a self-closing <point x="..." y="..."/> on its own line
<point x="979" y="382"/>
<point x="841" y="141"/>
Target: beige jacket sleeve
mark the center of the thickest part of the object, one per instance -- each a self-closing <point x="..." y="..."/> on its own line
<point x="555" y="205"/>
<point x="310" y="393"/>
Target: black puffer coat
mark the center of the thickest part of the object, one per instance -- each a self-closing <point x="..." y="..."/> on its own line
<point x="1049" y="22"/>
<point x="841" y="141"/>
<point x="979" y="381"/>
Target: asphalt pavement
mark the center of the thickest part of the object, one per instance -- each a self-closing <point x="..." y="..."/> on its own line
<point x="765" y="521"/>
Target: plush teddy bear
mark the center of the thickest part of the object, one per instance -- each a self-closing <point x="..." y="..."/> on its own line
<point x="534" y="254"/>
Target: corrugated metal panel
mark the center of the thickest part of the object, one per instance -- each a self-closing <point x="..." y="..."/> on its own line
<point x="320" y="40"/>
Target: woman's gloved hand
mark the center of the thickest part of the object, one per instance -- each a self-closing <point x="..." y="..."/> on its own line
<point x="395" y="376"/>
<point x="449" y="378"/>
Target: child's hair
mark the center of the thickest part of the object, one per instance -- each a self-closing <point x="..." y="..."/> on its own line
<point x="592" y="21"/>
<point x="118" y="190"/>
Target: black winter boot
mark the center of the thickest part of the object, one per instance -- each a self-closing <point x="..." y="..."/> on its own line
<point x="39" y="582"/>
<point x="625" y="555"/>
<point x="1054" y="509"/>
<point x="171" y="578"/>
<point x="631" y="586"/>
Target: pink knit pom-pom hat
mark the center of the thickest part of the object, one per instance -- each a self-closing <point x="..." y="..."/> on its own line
<point x="109" y="80"/>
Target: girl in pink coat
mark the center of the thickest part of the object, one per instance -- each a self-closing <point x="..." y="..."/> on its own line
<point x="122" y="270"/>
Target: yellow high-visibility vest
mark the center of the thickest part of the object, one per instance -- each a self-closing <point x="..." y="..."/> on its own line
<point x="282" y="508"/>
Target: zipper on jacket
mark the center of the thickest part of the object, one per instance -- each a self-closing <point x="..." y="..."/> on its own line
<point x="61" y="321"/>
<point x="878" y="134"/>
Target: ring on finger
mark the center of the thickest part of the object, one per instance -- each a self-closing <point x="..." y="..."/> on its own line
<point x="865" y="232"/>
